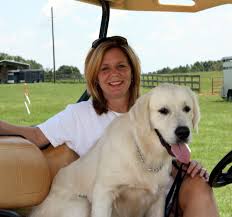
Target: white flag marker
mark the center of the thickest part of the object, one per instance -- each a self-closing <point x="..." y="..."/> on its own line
<point x="28" y="110"/>
<point x="26" y="98"/>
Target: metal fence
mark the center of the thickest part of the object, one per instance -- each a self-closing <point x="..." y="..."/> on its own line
<point x="193" y="81"/>
<point x="217" y="85"/>
<point x="64" y="78"/>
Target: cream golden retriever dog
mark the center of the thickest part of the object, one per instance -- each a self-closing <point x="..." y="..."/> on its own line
<point x="132" y="159"/>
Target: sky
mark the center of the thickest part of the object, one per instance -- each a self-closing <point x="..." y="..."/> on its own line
<point x="160" y="39"/>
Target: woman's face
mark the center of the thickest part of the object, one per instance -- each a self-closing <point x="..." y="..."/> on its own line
<point x="114" y="76"/>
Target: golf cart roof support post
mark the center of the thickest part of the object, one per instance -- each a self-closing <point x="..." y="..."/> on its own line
<point x="105" y="18"/>
<point x="102" y="34"/>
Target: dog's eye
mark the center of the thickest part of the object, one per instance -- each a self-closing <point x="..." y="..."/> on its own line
<point x="164" y="111"/>
<point x="186" y="109"/>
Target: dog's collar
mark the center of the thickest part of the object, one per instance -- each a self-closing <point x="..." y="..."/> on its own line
<point x="148" y="168"/>
<point x="164" y="143"/>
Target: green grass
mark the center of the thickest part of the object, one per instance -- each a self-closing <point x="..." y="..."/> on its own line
<point x="212" y="142"/>
<point x="46" y="100"/>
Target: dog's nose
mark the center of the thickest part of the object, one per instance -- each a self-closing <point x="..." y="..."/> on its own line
<point x="182" y="133"/>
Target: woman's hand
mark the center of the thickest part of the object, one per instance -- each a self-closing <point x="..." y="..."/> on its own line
<point x="195" y="168"/>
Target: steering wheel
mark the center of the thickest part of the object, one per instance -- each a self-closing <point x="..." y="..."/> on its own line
<point x="218" y="176"/>
<point x="8" y="213"/>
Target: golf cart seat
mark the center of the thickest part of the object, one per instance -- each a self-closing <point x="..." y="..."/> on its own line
<point x="27" y="172"/>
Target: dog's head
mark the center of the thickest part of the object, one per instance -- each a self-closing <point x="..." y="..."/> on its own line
<point x="170" y="111"/>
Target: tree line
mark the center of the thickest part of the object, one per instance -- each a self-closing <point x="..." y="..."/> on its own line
<point x="203" y="66"/>
<point x="64" y="72"/>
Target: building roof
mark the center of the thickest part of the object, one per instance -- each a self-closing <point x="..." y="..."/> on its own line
<point x="13" y="63"/>
<point x="229" y="58"/>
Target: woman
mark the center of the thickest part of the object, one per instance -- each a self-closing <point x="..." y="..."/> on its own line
<point x="112" y="72"/>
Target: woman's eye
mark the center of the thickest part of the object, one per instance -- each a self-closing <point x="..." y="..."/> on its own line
<point x="164" y="111"/>
<point x="122" y="66"/>
<point x="104" y="69"/>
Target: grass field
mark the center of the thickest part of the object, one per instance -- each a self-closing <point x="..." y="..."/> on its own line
<point x="212" y="142"/>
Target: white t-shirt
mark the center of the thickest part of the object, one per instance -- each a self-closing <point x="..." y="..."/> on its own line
<point x="79" y="126"/>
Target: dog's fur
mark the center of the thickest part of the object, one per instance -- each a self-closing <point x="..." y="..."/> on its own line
<point x="114" y="177"/>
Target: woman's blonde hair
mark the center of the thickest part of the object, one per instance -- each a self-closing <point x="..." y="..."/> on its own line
<point x="92" y="67"/>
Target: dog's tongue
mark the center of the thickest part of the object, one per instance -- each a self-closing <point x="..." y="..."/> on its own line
<point x="181" y="152"/>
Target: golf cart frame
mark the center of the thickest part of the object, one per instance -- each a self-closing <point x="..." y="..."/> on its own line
<point x="27" y="178"/>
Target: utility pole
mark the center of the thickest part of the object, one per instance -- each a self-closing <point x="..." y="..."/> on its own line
<point x="53" y="48"/>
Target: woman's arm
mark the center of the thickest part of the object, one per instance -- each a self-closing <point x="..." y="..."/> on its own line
<point x="33" y="134"/>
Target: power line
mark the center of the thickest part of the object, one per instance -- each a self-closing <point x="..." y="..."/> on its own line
<point x="53" y="47"/>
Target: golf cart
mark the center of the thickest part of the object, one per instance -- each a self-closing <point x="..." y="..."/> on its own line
<point x="27" y="172"/>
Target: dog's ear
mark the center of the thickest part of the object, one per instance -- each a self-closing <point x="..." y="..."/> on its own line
<point x="140" y="112"/>
<point x="196" y="110"/>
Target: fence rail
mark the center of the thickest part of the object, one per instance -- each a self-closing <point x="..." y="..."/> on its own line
<point x="64" y="78"/>
<point x="217" y="84"/>
<point x="193" y="81"/>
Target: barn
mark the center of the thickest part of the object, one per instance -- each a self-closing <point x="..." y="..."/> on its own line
<point x="18" y="72"/>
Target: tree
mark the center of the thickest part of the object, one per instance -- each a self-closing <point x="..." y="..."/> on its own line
<point x="34" y="65"/>
<point x="65" y="71"/>
<point x="48" y="74"/>
<point x="164" y="71"/>
<point x="197" y="67"/>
